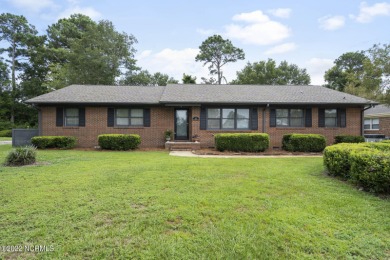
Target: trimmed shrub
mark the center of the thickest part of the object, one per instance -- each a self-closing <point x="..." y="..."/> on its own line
<point x="119" y="141"/>
<point x="242" y="142"/>
<point x="21" y="156"/>
<point x="336" y="158"/>
<point x="378" y="146"/>
<point x="348" y="139"/>
<point x="386" y="141"/>
<point x="371" y="170"/>
<point x="6" y="133"/>
<point x="61" y="142"/>
<point x="304" y="142"/>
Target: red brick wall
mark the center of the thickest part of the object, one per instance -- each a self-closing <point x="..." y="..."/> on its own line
<point x="96" y="123"/>
<point x="384" y="127"/>
<point x="162" y="118"/>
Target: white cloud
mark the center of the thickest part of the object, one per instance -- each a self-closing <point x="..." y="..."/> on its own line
<point x="33" y="5"/>
<point x="176" y="62"/>
<point x="367" y="13"/>
<point x="280" y="12"/>
<point x="206" y="32"/>
<point x="259" y="30"/>
<point x="282" y="48"/>
<point x="89" y="11"/>
<point x="330" y="23"/>
<point x="316" y="68"/>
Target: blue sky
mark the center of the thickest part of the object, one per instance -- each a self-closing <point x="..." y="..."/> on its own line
<point x="311" y="34"/>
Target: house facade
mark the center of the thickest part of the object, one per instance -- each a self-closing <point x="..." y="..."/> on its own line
<point x="190" y="111"/>
<point x="377" y="122"/>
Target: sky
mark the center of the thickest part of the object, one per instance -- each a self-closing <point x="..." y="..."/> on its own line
<point x="311" y="34"/>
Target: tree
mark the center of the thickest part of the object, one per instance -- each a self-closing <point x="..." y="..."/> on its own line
<point x="188" y="79"/>
<point x="144" y="78"/>
<point x="86" y="52"/>
<point x="267" y="73"/>
<point x="16" y="31"/>
<point x="347" y="64"/>
<point x="361" y="73"/>
<point x="217" y="52"/>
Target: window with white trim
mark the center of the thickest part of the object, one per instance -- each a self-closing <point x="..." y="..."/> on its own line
<point x="289" y="117"/>
<point x="129" y="117"/>
<point x="371" y="124"/>
<point x="228" y="118"/>
<point x="71" y="116"/>
<point x="330" y="117"/>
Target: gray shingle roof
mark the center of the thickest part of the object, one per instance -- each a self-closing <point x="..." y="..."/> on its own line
<point x="378" y="110"/>
<point x="197" y="94"/>
<point x="101" y="94"/>
<point x="257" y="94"/>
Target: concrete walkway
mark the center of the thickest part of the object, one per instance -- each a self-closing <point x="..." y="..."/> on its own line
<point x="190" y="154"/>
<point x="5" y="142"/>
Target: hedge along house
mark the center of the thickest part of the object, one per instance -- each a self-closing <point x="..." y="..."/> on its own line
<point x="86" y="111"/>
<point x="377" y="122"/>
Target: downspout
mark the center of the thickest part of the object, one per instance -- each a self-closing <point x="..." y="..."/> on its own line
<point x="362" y="119"/>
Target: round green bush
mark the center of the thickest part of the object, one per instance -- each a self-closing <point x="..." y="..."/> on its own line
<point x="348" y="139"/>
<point x="304" y="142"/>
<point x="61" y="142"/>
<point x="21" y="156"/>
<point x="119" y="141"/>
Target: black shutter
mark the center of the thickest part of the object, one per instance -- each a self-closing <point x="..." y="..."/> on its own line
<point x="341" y="117"/>
<point x="203" y="119"/>
<point x="147" y="117"/>
<point x="308" y="119"/>
<point x="254" y="119"/>
<point x="321" y="117"/>
<point x="60" y="116"/>
<point x="272" y="117"/>
<point x="110" y="116"/>
<point x="82" y="116"/>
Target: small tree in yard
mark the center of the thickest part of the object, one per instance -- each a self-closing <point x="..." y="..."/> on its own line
<point x="217" y="51"/>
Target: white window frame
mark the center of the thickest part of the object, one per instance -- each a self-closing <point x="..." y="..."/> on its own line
<point x="371" y="124"/>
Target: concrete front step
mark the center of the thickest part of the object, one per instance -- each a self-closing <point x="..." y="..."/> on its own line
<point x="182" y="146"/>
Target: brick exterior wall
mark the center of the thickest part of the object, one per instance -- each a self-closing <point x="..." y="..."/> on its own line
<point x="384" y="127"/>
<point x="162" y="118"/>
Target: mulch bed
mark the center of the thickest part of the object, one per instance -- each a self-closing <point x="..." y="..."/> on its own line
<point x="270" y="152"/>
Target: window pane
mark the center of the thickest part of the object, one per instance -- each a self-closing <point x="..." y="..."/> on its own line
<point x="375" y="126"/>
<point x="282" y="121"/>
<point x="242" y="113"/>
<point x="122" y="121"/>
<point x="296" y="113"/>
<point x="281" y="112"/>
<point x="296" y="122"/>
<point x="137" y="113"/>
<point x="366" y="126"/>
<point x="242" y="123"/>
<point x="72" y="112"/>
<point x="137" y="121"/>
<point x="122" y="112"/>
<point x="213" y="124"/>
<point x="375" y="121"/>
<point x="330" y="122"/>
<point x="72" y="121"/>
<point x="367" y="121"/>
<point x="228" y="113"/>
<point x="213" y="113"/>
<point x="330" y="112"/>
<point x="227" y="123"/>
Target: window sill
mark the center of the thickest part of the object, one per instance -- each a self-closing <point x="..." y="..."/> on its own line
<point x="128" y="127"/>
<point x="290" y="128"/>
<point x="70" y="127"/>
<point x="228" y="130"/>
<point x="371" y="129"/>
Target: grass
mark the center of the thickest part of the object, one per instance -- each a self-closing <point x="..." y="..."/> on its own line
<point x="5" y="138"/>
<point x="151" y="205"/>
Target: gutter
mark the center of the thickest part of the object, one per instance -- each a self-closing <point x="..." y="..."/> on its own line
<point x="362" y="118"/>
<point x="263" y="125"/>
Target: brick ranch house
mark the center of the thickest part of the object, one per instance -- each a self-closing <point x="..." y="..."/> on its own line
<point x="377" y="121"/>
<point x="86" y="111"/>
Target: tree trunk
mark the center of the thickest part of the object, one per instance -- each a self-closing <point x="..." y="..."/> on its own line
<point x="13" y="82"/>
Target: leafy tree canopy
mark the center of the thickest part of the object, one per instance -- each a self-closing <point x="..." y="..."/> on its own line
<point x="268" y="73"/>
<point x="217" y="52"/>
<point x="188" y="79"/>
<point x="145" y="78"/>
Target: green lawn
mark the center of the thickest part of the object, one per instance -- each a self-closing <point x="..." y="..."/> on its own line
<point x="5" y="138"/>
<point x="151" y="205"/>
